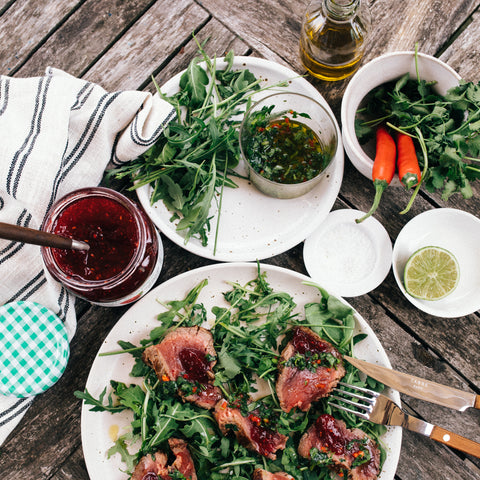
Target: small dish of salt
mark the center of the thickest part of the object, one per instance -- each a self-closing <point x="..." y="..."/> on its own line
<point x="348" y="258"/>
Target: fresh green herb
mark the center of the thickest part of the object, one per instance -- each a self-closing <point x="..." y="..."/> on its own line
<point x="446" y="127"/>
<point x="190" y="164"/>
<point x="246" y="334"/>
<point x="283" y="149"/>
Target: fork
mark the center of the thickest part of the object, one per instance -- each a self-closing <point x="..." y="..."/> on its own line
<point x="378" y="408"/>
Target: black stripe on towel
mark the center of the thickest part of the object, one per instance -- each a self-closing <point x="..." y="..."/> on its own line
<point x="15" y="410"/>
<point x="83" y="143"/>
<point x="4" y="89"/>
<point x="146" y="142"/>
<point x="20" y="158"/>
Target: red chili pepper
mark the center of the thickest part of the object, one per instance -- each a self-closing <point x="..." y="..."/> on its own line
<point x="383" y="167"/>
<point x="407" y="162"/>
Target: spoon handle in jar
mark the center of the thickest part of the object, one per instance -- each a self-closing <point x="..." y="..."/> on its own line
<point x="37" y="237"/>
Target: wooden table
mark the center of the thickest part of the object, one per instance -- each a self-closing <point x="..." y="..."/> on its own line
<point x="120" y="44"/>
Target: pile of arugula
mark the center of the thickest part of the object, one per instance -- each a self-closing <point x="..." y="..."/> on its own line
<point x="190" y="164"/>
<point x="245" y="336"/>
<point x="446" y="127"/>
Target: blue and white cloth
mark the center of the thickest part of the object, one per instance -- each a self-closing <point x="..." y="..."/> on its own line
<point x="58" y="133"/>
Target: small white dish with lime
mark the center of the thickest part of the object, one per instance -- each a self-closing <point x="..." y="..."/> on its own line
<point x="455" y="234"/>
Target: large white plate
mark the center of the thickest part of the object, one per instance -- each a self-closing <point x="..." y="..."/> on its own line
<point x="137" y="322"/>
<point x="458" y="232"/>
<point x="254" y="226"/>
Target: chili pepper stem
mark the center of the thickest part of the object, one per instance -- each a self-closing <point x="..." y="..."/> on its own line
<point x="380" y="186"/>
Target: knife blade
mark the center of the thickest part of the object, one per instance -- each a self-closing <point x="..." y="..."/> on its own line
<point x="418" y="387"/>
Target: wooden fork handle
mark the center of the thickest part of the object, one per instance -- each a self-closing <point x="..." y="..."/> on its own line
<point x="455" y="441"/>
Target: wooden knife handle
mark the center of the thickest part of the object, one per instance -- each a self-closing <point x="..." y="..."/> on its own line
<point x="456" y="441"/>
<point x="477" y="402"/>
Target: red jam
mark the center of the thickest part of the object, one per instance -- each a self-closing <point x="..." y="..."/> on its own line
<point x="110" y="230"/>
<point x="124" y="259"/>
<point x="303" y="342"/>
<point x="266" y="439"/>
<point x="194" y="365"/>
<point x="329" y="434"/>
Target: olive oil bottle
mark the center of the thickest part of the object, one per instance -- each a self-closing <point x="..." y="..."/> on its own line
<point x="333" y="36"/>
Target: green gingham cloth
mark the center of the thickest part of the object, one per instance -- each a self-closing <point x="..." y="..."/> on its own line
<point x="34" y="349"/>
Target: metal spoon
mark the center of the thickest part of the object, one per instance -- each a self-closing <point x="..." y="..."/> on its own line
<point x="37" y="237"/>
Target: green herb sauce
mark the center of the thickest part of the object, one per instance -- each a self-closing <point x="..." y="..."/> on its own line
<point x="283" y="149"/>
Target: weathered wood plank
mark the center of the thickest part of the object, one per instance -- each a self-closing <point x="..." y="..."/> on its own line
<point x="464" y="52"/>
<point x="94" y="26"/>
<point x="270" y="27"/>
<point x="28" y="24"/>
<point x="147" y="45"/>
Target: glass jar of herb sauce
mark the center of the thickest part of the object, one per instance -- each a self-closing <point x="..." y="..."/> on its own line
<point x="125" y="255"/>
<point x="287" y="140"/>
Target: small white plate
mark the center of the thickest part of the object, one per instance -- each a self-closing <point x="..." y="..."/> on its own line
<point x="458" y="232"/>
<point x="348" y="258"/>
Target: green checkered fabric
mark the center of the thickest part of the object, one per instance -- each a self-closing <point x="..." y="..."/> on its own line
<point x="34" y="349"/>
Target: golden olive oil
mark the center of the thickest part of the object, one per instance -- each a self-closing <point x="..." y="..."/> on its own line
<point x="333" y="36"/>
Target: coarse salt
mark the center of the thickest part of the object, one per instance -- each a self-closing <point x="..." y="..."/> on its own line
<point x="346" y="252"/>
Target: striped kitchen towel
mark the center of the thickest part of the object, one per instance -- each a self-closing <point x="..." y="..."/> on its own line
<point x="58" y="133"/>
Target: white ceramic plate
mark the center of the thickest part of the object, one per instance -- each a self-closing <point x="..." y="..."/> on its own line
<point x="348" y="258"/>
<point x="458" y="232"/>
<point x="254" y="226"/>
<point x="141" y="318"/>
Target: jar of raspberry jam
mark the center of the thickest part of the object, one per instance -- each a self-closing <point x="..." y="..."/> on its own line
<point x="125" y="255"/>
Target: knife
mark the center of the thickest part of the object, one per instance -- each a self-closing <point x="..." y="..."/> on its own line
<point x="418" y="387"/>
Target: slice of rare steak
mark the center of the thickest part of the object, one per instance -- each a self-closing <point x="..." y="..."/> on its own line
<point x="183" y="462"/>
<point x="187" y="354"/>
<point x="154" y="467"/>
<point x="260" y="474"/>
<point x="309" y="368"/>
<point x="150" y="467"/>
<point x="250" y="431"/>
<point x="346" y="451"/>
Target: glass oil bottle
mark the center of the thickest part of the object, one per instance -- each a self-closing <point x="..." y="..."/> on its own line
<point x="333" y="36"/>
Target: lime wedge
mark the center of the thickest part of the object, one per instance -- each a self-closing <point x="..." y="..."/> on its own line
<point x="431" y="273"/>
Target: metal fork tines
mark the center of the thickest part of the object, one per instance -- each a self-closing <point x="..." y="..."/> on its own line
<point x="378" y="408"/>
<point x="369" y="405"/>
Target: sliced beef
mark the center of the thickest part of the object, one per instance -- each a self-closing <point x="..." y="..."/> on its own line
<point x="150" y="467"/>
<point x="309" y="368"/>
<point x="153" y="467"/>
<point x="260" y="474"/>
<point x="183" y="460"/>
<point x="329" y="441"/>
<point x="250" y="431"/>
<point x="187" y="352"/>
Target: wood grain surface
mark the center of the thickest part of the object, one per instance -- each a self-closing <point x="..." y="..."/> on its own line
<point x="122" y="44"/>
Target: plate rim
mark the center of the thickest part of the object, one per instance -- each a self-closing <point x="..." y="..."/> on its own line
<point x="281" y="274"/>
<point x="270" y="248"/>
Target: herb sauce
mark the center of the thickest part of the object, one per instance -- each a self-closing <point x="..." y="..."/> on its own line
<point x="283" y="149"/>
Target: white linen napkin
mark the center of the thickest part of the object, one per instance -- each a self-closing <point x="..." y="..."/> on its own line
<point x="58" y="133"/>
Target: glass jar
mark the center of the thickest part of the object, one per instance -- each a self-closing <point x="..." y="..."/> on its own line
<point x="125" y="255"/>
<point x="332" y="39"/>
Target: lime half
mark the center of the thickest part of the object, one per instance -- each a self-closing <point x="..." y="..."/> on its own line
<point x="431" y="273"/>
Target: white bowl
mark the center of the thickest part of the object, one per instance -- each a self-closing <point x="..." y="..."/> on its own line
<point x="348" y="258"/>
<point x="456" y="231"/>
<point x="386" y="68"/>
